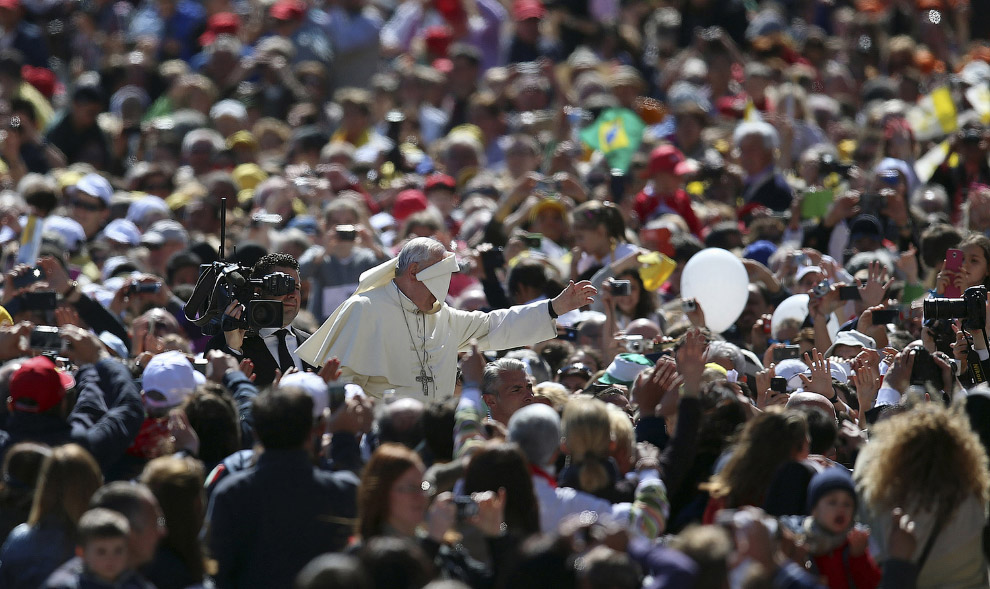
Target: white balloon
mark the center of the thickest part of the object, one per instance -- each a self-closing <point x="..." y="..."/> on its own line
<point x="718" y="280"/>
<point x="796" y="307"/>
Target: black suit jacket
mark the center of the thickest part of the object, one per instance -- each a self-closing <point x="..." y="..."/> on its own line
<point x="254" y="348"/>
<point x="773" y="192"/>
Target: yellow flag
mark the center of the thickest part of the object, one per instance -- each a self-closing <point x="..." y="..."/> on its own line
<point x="945" y="109"/>
<point x="926" y="165"/>
<point x="979" y="97"/>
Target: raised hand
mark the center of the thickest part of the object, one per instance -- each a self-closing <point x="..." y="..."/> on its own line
<point x="691" y="361"/>
<point x="658" y="387"/>
<point x="866" y="381"/>
<point x="821" y="374"/>
<point x="575" y="296"/>
<point x="330" y="371"/>
<point x="873" y="290"/>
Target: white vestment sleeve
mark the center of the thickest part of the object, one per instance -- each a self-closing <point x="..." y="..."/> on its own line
<point x="503" y="329"/>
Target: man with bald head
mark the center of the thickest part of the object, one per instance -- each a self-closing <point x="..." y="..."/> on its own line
<point x="397" y="332"/>
<point x="644" y="327"/>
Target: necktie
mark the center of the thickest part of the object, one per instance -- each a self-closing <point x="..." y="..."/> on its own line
<point x="284" y="358"/>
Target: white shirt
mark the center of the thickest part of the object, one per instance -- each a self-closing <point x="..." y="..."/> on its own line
<point x="291" y="341"/>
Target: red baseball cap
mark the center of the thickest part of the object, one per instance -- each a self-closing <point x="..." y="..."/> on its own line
<point x="37" y="386"/>
<point x="288" y="10"/>
<point x="440" y="181"/>
<point x="408" y="202"/>
<point x="438" y="39"/>
<point x="666" y="158"/>
<point x="524" y="9"/>
<point x="10" y="4"/>
<point x="221" y="23"/>
<point x="43" y="79"/>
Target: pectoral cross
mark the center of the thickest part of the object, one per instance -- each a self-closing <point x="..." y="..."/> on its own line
<point x="424" y="380"/>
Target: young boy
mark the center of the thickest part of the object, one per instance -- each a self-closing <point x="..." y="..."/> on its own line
<point x="837" y="548"/>
<point x="103" y="536"/>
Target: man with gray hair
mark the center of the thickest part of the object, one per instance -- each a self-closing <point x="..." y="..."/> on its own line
<point x="396" y="331"/>
<point x="758" y="142"/>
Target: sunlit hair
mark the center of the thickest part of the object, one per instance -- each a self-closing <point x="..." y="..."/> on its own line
<point x="587" y="431"/>
<point x="68" y="479"/>
<point x="925" y="459"/>
<point x="387" y="465"/>
<point x="768" y="441"/>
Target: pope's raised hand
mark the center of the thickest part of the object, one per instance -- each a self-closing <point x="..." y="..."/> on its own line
<point x="575" y="296"/>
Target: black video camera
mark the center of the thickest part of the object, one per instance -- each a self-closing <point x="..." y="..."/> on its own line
<point x="221" y="283"/>
<point x="971" y="308"/>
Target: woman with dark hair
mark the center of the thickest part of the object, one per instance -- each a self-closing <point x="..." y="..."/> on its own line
<point x="503" y="466"/>
<point x="177" y="483"/>
<point x="68" y="479"/>
<point x="393" y="501"/>
<point x="213" y="416"/>
<point x="21" y="467"/>
<point x="600" y="234"/>
<point x="768" y="443"/>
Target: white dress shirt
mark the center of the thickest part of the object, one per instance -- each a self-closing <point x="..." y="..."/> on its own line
<point x="292" y="341"/>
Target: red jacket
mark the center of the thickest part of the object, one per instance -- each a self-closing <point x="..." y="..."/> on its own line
<point x="862" y="569"/>
<point x="679" y="202"/>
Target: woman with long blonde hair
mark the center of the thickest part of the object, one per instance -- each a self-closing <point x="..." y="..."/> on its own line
<point x="929" y="462"/>
<point x="588" y="442"/>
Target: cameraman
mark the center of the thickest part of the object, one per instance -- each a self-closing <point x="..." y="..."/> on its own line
<point x="270" y="349"/>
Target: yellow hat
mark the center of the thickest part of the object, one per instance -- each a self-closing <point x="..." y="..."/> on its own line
<point x="473" y="131"/>
<point x="5" y="318"/>
<point x="177" y="200"/>
<point x="69" y="178"/>
<point x="249" y="176"/>
<point x="245" y="138"/>
<point x="655" y="270"/>
<point x="546" y="204"/>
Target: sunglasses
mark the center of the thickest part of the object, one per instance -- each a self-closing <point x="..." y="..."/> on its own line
<point x="87" y="206"/>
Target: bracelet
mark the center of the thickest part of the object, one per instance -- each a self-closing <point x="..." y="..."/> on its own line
<point x="834" y="399"/>
<point x="553" y="314"/>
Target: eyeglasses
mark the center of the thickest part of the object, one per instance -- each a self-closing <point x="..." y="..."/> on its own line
<point x="87" y="206"/>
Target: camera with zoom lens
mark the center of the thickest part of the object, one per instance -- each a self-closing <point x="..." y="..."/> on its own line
<point x="971" y="308"/>
<point x="221" y="283"/>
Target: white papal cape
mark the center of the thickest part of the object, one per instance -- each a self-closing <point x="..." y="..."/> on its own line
<point x="370" y="335"/>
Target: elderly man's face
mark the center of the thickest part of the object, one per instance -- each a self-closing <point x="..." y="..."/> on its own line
<point x="754" y="157"/>
<point x="515" y="391"/>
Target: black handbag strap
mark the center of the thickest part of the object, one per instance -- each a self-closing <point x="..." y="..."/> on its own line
<point x="930" y="543"/>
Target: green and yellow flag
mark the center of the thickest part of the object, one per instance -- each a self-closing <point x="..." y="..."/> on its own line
<point x="617" y="134"/>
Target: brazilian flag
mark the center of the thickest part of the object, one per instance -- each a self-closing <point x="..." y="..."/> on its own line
<point x="616" y="133"/>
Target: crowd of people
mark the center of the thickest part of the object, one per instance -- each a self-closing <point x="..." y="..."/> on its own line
<point x="494" y="293"/>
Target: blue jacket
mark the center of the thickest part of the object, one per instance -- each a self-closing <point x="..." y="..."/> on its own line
<point x="105" y="420"/>
<point x="268" y="522"/>
<point x="32" y="553"/>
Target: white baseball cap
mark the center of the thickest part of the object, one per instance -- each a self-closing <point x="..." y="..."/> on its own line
<point x="313" y="385"/>
<point x="172" y="376"/>
<point x="71" y="231"/>
<point x="122" y="231"/>
<point x="97" y="186"/>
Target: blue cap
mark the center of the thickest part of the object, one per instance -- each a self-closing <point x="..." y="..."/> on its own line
<point x="831" y="479"/>
<point x="305" y="223"/>
<point x="760" y="251"/>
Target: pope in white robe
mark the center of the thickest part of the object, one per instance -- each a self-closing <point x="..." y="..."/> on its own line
<point x="396" y="331"/>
